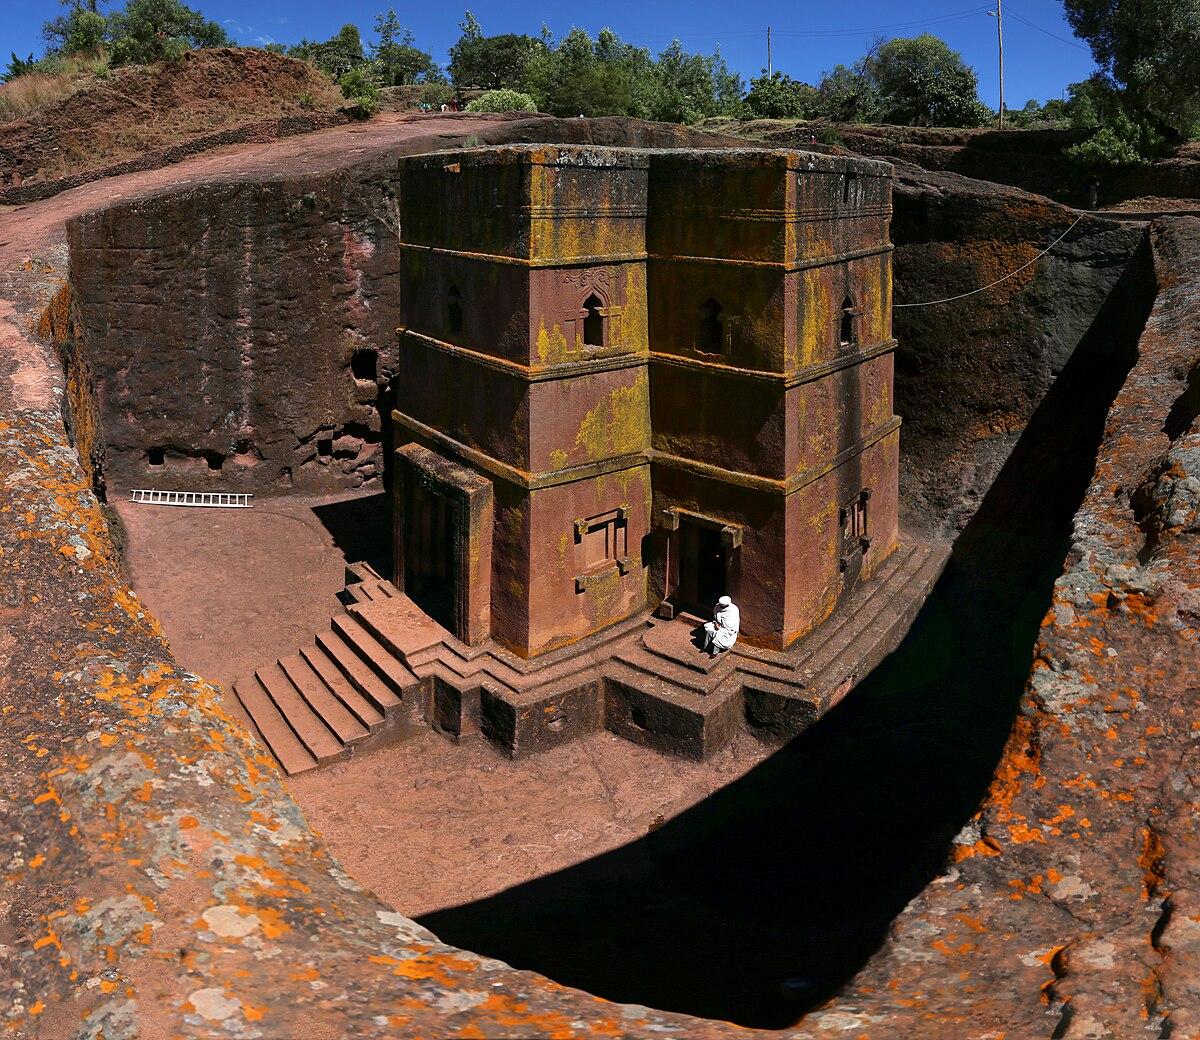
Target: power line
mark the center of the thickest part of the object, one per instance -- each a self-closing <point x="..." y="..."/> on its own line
<point x="1003" y="278"/>
<point x="915" y="24"/>
<point x="821" y="33"/>
<point x="1047" y="32"/>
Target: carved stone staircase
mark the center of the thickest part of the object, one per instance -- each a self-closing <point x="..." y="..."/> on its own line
<point x="385" y="668"/>
<point x="342" y="694"/>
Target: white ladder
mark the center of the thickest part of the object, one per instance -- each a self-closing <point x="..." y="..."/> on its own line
<point x="219" y="499"/>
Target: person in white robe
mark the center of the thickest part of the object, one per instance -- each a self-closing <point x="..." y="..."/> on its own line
<point x="722" y="631"/>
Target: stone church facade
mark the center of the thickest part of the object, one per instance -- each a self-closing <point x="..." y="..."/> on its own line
<point x="634" y="381"/>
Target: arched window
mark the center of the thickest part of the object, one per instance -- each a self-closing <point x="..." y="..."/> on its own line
<point x="847" y="334"/>
<point x="454" y="312"/>
<point x="593" y="322"/>
<point x="710" y="337"/>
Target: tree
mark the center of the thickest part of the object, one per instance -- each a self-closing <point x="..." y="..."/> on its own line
<point x="580" y="76"/>
<point x="778" y="96"/>
<point x="158" y="30"/>
<point x="923" y="82"/>
<point x="914" y="82"/>
<point x="1146" y="50"/>
<point x="398" y="60"/>
<point x="337" y="55"/>
<point x="491" y="61"/>
<point x="689" y="87"/>
<point x="361" y="92"/>
<point x="18" y="67"/>
<point x="82" y="29"/>
<point x="849" y="94"/>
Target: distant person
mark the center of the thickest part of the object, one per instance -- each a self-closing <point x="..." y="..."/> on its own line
<point x="1093" y="191"/>
<point x="722" y="631"/>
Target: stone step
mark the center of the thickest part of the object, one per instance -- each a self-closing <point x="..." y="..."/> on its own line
<point x="372" y="591"/>
<point x="322" y="743"/>
<point x="863" y="601"/>
<point x="891" y="618"/>
<point x="379" y="657"/>
<point x="669" y="670"/>
<point x="359" y="674"/>
<point x="660" y="715"/>
<point x="293" y="756"/>
<point x="363" y="571"/>
<point x="321" y="699"/>
<point x="873" y="607"/>
<point x="354" y="702"/>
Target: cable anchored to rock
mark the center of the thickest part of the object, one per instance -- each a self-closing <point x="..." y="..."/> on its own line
<point x="1003" y="278"/>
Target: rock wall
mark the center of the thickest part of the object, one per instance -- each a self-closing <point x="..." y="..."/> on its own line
<point x="243" y="333"/>
<point x="969" y="373"/>
<point x="159" y="880"/>
<point x="1071" y="909"/>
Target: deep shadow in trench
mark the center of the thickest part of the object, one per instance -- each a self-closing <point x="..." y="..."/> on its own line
<point x="760" y="902"/>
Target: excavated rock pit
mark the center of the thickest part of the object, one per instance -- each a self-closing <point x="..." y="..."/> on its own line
<point x="161" y="878"/>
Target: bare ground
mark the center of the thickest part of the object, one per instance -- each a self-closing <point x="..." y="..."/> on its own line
<point x="426" y="824"/>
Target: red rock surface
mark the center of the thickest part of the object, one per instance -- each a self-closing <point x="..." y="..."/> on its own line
<point x="1072" y="909"/>
<point x="158" y="880"/>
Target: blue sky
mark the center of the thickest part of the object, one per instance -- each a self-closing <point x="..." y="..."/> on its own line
<point x="1041" y="56"/>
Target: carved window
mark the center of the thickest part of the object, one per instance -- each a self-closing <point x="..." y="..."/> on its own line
<point x="454" y="311"/>
<point x="854" y="518"/>
<point x="710" y="333"/>
<point x="849" y="330"/>
<point x="593" y="321"/>
<point x="849" y="183"/>
<point x="601" y="543"/>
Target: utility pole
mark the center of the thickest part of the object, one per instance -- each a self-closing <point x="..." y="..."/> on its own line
<point x="769" y="68"/>
<point x="998" y="14"/>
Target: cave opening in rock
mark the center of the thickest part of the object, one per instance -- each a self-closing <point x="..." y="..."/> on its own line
<point x="156" y="457"/>
<point x="364" y="364"/>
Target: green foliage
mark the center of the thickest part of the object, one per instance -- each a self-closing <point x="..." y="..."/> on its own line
<point x="913" y="82"/>
<point x="778" y="96"/>
<point x="18" y="67"/>
<point x="361" y="92"/>
<point x="503" y="100"/>
<point x="689" y="87"/>
<point x="340" y="54"/>
<point x="491" y="61"/>
<point x="158" y="30"/>
<point x="398" y="60"/>
<point x="1123" y="141"/>
<point x="923" y="82"/>
<point x="435" y="94"/>
<point x="1148" y="52"/>
<point x="849" y="94"/>
<point x="579" y="75"/>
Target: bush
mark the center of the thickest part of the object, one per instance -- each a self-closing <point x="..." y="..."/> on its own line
<point x="778" y="96"/>
<point x="361" y="93"/>
<point x="503" y="100"/>
<point x="1122" y="141"/>
<point x="159" y="30"/>
<point x="435" y="94"/>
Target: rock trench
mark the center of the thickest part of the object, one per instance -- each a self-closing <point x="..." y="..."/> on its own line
<point x="159" y="878"/>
